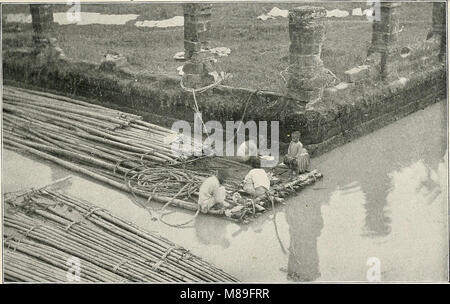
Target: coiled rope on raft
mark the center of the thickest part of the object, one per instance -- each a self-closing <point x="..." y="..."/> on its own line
<point x="115" y="148"/>
<point x="101" y="143"/>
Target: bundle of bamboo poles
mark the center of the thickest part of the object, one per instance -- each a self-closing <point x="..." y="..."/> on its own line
<point x="118" y="149"/>
<point x="113" y="147"/>
<point x="52" y="237"/>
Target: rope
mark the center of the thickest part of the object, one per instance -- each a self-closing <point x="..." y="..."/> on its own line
<point x="243" y="114"/>
<point x="184" y="253"/>
<point x="7" y="241"/>
<point x="181" y="177"/>
<point x="156" y="266"/>
<point x="283" y="248"/>
<point x="26" y="233"/>
<point x="197" y="110"/>
<point x="135" y="198"/>
<point x="202" y="89"/>
<point x="31" y="229"/>
<point x="173" y="198"/>
<point x="142" y="179"/>
<point x="93" y="210"/>
<point x="276" y="227"/>
<point x="180" y="225"/>
<point x="70" y="225"/>
<point x="168" y="251"/>
<point x="335" y="78"/>
<point x="29" y="192"/>
<point x="284" y="71"/>
<point x="115" y="268"/>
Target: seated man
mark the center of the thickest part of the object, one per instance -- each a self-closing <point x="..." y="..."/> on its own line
<point x="256" y="183"/>
<point x="247" y="151"/>
<point x="297" y="158"/>
<point x="212" y="192"/>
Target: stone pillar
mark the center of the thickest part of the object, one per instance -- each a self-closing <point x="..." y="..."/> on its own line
<point x="197" y="30"/>
<point x="42" y="23"/>
<point x="439" y="27"/>
<point x="307" y="75"/>
<point x="385" y="31"/>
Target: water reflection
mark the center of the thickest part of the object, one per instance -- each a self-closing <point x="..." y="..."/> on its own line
<point x="208" y="235"/>
<point x="382" y="195"/>
<point x="377" y="220"/>
<point x="324" y="233"/>
<point x="305" y="224"/>
<point x="406" y="147"/>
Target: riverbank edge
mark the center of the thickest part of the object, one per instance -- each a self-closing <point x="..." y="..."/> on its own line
<point x="324" y="127"/>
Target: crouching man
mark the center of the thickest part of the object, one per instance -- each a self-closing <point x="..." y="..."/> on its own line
<point x="212" y="192"/>
<point x="256" y="183"/>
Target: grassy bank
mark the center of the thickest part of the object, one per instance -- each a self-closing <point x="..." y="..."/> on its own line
<point x="259" y="48"/>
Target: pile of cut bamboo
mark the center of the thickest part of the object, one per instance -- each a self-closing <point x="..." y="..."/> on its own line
<point x="113" y="147"/>
<point x="119" y="149"/>
<point x="52" y="237"/>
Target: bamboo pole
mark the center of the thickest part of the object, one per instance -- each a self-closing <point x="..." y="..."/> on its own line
<point x="106" y="251"/>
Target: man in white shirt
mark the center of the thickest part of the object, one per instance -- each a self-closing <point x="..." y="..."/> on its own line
<point x="257" y="182"/>
<point x="212" y="192"/>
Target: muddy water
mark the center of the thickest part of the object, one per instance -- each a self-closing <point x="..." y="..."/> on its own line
<point x="382" y="202"/>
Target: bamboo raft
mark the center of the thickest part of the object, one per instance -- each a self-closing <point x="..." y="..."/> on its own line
<point x="52" y="237"/>
<point x="125" y="152"/>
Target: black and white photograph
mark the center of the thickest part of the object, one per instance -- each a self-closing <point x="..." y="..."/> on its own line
<point x="224" y="142"/>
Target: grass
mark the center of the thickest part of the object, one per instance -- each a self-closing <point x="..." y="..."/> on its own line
<point x="259" y="48"/>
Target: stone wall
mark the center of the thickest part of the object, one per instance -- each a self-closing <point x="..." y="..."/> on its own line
<point x="326" y="116"/>
<point x="153" y="97"/>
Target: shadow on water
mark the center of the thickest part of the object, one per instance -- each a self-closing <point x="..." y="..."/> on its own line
<point x="305" y="224"/>
<point x="207" y="235"/>
<point x="362" y="172"/>
<point x="378" y="198"/>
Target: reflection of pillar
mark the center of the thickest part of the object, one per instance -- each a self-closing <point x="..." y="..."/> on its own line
<point x="197" y="30"/>
<point x="439" y="27"/>
<point x="377" y="220"/>
<point x="42" y="23"/>
<point x="385" y="31"/>
<point x="307" y="76"/>
<point x="305" y="224"/>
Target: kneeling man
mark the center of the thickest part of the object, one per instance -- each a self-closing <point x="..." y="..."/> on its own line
<point x="257" y="182"/>
<point x="212" y="192"/>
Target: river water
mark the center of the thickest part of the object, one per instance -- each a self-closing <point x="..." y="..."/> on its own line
<point x="380" y="213"/>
